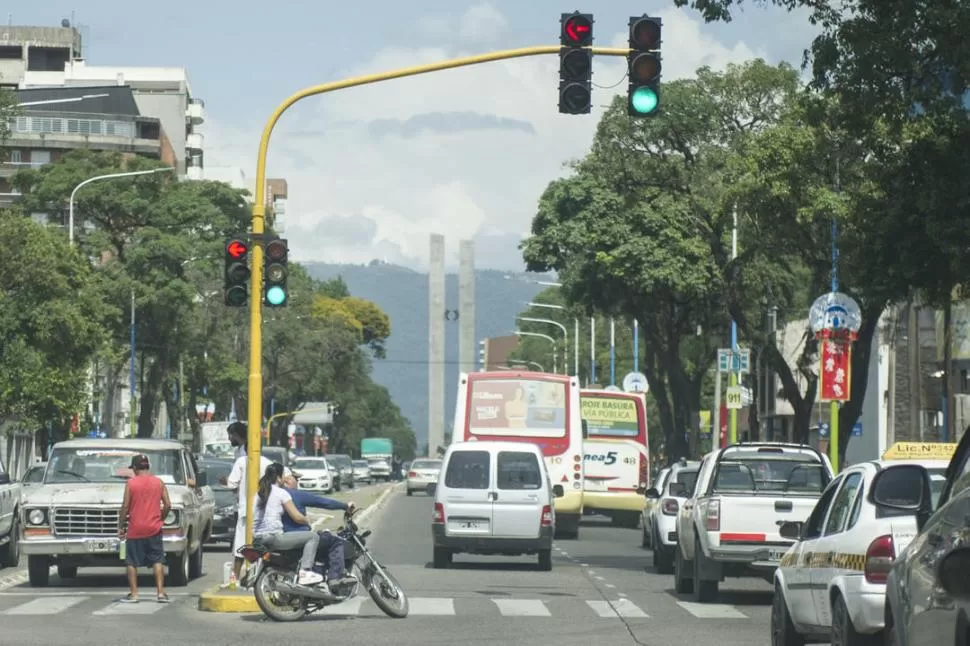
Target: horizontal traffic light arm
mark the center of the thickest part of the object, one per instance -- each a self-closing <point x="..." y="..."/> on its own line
<point x="255" y="383"/>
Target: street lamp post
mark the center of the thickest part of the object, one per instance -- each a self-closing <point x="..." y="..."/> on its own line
<point x="547" y="338"/>
<point x="565" y="337"/>
<point x="70" y="208"/>
<point x="575" y="333"/>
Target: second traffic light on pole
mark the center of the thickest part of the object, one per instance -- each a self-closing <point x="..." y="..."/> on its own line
<point x="644" y="63"/>
<point x="575" y="63"/>
<point x="237" y="273"/>
<point x="275" y="290"/>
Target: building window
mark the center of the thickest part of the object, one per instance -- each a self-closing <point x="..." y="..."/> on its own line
<point x="38" y="157"/>
<point x="15" y="157"/>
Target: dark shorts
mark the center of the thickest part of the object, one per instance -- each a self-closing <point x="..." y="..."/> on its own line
<point x="144" y="552"/>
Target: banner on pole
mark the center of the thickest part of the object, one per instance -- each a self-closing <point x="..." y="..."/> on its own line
<point x="835" y="371"/>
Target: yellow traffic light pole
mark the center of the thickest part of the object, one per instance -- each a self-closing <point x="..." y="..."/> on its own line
<point x="255" y="408"/>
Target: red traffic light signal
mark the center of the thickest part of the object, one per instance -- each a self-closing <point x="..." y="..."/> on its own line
<point x="237" y="249"/>
<point x="645" y="34"/>
<point x="276" y="250"/>
<point x="577" y="30"/>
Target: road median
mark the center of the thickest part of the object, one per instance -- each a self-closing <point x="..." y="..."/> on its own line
<point x="370" y="499"/>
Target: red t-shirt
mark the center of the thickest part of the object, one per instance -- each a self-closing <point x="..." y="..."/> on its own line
<point x="145" y="506"/>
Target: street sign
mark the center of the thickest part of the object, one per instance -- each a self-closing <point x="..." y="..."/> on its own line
<point x="728" y="361"/>
<point x="734" y="397"/>
<point x="613" y="389"/>
<point x="856" y="430"/>
<point x="636" y="382"/>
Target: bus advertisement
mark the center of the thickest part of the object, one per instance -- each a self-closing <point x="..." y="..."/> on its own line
<point x="538" y="408"/>
<point x="616" y="454"/>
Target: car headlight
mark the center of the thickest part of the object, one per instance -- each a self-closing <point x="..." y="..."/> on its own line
<point x="172" y="518"/>
<point x="37" y="517"/>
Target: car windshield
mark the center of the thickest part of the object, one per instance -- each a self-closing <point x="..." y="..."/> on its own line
<point x="215" y="471"/>
<point x="362" y="464"/>
<point x="426" y="464"/>
<point x="220" y="450"/>
<point x="108" y="464"/>
<point x="35" y="474"/>
<point x="686" y="477"/>
<point x="764" y="471"/>
<point x="310" y="464"/>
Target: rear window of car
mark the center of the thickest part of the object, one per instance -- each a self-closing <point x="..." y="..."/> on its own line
<point x="468" y="470"/>
<point x="518" y="470"/>
<point x="770" y="471"/>
<point x="426" y="464"/>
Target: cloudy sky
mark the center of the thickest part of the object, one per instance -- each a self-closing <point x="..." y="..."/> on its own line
<point x="373" y="170"/>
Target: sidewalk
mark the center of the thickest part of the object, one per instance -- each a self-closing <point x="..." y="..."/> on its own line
<point x="369" y="499"/>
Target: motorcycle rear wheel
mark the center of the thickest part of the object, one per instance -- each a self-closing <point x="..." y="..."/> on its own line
<point x="388" y="594"/>
<point x="265" y="598"/>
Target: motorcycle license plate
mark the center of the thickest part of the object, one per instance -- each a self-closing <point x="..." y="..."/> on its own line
<point x="101" y="545"/>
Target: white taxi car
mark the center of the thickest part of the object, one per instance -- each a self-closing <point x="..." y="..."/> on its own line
<point x="422" y="473"/>
<point x="831" y="584"/>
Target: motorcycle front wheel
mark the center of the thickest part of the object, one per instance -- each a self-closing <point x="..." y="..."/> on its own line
<point x="388" y="594"/>
<point x="275" y="605"/>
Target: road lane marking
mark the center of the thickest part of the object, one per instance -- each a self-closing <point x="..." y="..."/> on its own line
<point x="522" y="607"/>
<point x="348" y="608"/>
<point x="609" y="585"/>
<point x="147" y="606"/>
<point x="431" y="606"/>
<point x="712" y="610"/>
<point x="602" y="608"/>
<point x="45" y="606"/>
<point x="627" y="609"/>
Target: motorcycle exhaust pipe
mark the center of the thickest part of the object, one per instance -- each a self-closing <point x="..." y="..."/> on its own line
<point x="305" y="591"/>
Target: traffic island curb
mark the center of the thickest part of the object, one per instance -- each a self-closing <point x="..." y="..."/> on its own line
<point x="219" y="599"/>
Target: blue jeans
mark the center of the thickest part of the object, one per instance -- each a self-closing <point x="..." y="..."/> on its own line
<point x="290" y="541"/>
<point x="331" y="551"/>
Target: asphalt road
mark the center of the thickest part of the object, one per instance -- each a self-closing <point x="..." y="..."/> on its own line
<point x="601" y="591"/>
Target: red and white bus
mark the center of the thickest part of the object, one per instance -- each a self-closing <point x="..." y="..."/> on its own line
<point x="534" y="407"/>
<point x="616" y="454"/>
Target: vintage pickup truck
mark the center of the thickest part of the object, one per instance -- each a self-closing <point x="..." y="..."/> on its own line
<point x="71" y="520"/>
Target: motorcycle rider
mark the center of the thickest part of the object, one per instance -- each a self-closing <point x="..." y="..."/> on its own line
<point x="330" y="544"/>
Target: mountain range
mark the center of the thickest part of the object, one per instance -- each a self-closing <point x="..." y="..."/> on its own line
<point x="403" y="294"/>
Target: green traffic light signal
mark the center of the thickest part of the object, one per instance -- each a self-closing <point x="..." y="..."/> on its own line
<point x="644" y="100"/>
<point x="275" y="295"/>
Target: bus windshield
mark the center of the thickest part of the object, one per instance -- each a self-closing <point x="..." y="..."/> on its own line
<point x="519" y="407"/>
<point x="608" y="416"/>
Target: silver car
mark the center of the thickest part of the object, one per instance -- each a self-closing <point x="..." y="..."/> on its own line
<point x="422" y="474"/>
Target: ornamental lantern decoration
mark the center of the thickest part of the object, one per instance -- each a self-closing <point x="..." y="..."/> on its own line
<point x="835" y="319"/>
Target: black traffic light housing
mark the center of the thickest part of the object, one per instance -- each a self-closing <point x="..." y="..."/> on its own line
<point x="276" y="272"/>
<point x="236" y="276"/>
<point x="575" y="63"/>
<point x="643" y="97"/>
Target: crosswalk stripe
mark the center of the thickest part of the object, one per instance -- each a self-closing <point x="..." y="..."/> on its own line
<point x="627" y="609"/>
<point x="522" y="607"/>
<point x="712" y="610"/>
<point x="602" y="608"/>
<point x="431" y="606"/>
<point x="44" y="606"/>
<point x="143" y="607"/>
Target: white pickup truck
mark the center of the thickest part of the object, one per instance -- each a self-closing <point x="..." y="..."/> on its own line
<point x="730" y="526"/>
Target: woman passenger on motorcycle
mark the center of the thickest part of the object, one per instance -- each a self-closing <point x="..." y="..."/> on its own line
<point x="272" y="501"/>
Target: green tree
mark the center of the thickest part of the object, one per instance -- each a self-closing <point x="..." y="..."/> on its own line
<point x="9" y="108"/>
<point x="51" y="315"/>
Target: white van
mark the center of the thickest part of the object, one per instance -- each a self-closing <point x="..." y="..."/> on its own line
<point x="494" y="498"/>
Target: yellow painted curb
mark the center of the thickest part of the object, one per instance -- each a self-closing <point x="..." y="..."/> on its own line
<point x="219" y="601"/>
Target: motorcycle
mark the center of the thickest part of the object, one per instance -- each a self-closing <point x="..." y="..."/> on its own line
<point x="274" y="578"/>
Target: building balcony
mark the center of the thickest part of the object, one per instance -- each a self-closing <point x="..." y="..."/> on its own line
<point x="194" y="142"/>
<point x="195" y="112"/>
<point x="7" y="169"/>
<point x="68" y="131"/>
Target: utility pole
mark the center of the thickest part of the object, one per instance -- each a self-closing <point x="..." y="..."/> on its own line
<point x="466" y="306"/>
<point x="915" y="377"/>
<point x="131" y="372"/>
<point x="436" y="344"/>
<point x="733" y="413"/>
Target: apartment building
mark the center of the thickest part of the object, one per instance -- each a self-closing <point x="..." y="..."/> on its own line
<point x="51" y="57"/>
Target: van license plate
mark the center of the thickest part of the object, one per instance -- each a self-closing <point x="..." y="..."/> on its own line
<point x="776" y="555"/>
<point x="470" y="524"/>
<point x="101" y="545"/>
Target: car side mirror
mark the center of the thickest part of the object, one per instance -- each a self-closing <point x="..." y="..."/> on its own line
<point x="558" y="491"/>
<point x="652" y="493"/>
<point x="904" y="487"/>
<point x="585" y="429"/>
<point x="4" y="478"/>
<point x="201" y="479"/>
<point x="791" y="529"/>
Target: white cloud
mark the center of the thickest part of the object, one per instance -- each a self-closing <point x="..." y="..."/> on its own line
<point x="462" y="152"/>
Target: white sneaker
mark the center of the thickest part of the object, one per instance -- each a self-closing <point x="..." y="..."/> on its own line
<point x="309" y="577"/>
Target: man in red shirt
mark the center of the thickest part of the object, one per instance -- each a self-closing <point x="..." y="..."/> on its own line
<point x="146" y="503"/>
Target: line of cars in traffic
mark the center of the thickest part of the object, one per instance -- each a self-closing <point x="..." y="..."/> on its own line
<point x="879" y="551"/>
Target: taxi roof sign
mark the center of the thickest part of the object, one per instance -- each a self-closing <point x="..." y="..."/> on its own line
<point x="920" y="451"/>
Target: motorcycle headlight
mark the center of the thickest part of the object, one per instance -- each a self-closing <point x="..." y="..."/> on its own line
<point x="36" y="517"/>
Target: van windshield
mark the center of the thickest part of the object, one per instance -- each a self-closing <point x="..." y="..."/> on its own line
<point x="518" y="470"/>
<point x="468" y="470"/>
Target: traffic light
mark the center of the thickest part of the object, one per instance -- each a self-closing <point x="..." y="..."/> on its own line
<point x="644" y="63"/>
<point x="575" y="63"/>
<point x="276" y="272"/>
<point x="237" y="273"/>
